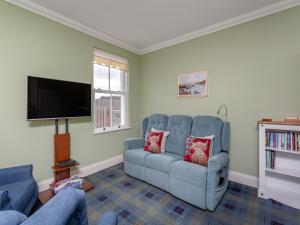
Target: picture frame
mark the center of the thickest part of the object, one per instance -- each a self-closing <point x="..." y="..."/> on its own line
<point x="194" y="84"/>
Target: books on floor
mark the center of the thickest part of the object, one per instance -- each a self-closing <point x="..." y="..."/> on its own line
<point x="73" y="181"/>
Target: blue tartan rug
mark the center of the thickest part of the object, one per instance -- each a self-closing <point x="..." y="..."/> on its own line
<point x="137" y="202"/>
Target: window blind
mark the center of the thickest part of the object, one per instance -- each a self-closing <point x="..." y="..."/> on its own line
<point x="107" y="59"/>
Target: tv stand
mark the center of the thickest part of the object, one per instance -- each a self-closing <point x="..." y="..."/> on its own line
<point x="62" y="153"/>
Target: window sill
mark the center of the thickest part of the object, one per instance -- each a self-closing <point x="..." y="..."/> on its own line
<point x="108" y="130"/>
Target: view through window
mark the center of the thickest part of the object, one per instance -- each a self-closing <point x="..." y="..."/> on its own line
<point x="110" y="92"/>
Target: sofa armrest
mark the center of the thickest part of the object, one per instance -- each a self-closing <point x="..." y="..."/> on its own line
<point x="3" y="199"/>
<point x="225" y="141"/>
<point x="109" y="218"/>
<point x="15" y="174"/>
<point x="134" y="143"/>
<point x="67" y="207"/>
<point x="217" y="179"/>
<point x="218" y="162"/>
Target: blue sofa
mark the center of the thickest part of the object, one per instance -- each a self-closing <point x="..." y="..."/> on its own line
<point x="68" y="207"/>
<point x="18" y="189"/>
<point x="198" y="185"/>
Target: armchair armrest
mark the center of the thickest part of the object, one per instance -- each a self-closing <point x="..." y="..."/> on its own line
<point x="11" y="217"/>
<point x="3" y="199"/>
<point x="15" y="174"/>
<point x="134" y="143"/>
<point x="67" y="207"/>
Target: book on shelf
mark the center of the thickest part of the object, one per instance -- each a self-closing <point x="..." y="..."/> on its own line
<point x="270" y="159"/>
<point x="287" y="140"/>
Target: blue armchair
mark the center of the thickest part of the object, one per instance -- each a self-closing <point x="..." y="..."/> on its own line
<point x="68" y="207"/>
<point x="18" y="189"/>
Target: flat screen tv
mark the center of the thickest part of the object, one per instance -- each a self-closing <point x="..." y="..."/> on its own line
<point x="54" y="99"/>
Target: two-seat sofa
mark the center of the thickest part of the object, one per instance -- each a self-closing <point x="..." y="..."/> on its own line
<point x="202" y="186"/>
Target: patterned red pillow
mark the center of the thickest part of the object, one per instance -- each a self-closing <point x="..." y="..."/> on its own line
<point x="198" y="149"/>
<point x="153" y="142"/>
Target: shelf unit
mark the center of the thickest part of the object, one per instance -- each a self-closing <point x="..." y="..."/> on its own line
<point x="283" y="150"/>
<point x="59" y="169"/>
<point x="284" y="171"/>
<point x="282" y="182"/>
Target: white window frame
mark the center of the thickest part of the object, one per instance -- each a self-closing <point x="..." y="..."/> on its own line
<point x="126" y="125"/>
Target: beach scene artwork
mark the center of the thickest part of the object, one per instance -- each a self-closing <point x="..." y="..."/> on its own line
<point x="192" y="84"/>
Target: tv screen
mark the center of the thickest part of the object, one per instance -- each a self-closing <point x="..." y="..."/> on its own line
<point x="52" y="99"/>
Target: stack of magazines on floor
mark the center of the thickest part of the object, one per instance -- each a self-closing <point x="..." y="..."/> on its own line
<point x="73" y="181"/>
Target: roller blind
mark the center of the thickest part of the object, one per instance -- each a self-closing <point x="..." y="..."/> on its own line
<point x="107" y="59"/>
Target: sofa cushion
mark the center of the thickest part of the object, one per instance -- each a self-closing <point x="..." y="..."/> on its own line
<point x="157" y="121"/>
<point x="198" y="149"/>
<point x="179" y="127"/>
<point x="11" y="217"/>
<point x="153" y="142"/>
<point x="208" y="125"/>
<point x="189" y="172"/>
<point x="136" y="156"/>
<point x="161" y="162"/>
<point x="20" y="193"/>
<point x="166" y="134"/>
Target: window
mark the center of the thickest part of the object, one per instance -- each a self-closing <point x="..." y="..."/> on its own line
<point x="110" y="92"/>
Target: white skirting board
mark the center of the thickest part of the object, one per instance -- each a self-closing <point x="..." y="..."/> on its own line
<point x="86" y="170"/>
<point x="243" y="178"/>
<point x="96" y="167"/>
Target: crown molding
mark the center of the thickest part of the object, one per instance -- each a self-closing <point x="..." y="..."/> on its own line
<point x="33" y="7"/>
<point x="271" y="9"/>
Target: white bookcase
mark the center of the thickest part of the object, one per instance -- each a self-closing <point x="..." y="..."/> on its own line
<point x="282" y="182"/>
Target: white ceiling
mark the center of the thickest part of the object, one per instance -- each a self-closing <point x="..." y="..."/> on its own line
<point x="144" y="26"/>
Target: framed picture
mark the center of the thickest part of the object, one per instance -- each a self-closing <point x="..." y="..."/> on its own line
<point x="192" y="84"/>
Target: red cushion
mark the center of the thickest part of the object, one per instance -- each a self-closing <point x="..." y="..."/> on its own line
<point x="153" y="142"/>
<point x="198" y="149"/>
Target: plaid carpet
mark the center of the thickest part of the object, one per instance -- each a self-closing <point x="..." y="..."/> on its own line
<point x="137" y="202"/>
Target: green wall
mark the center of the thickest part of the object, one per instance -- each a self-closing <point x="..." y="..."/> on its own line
<point x="33" y="45"/>
<point x="254" y="68"/>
